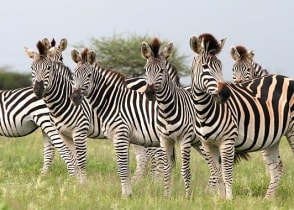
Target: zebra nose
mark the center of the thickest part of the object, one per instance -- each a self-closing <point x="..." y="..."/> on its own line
<point x="76" y="97"/>
<point x="150" y="92"/>
<point x="238" y="81"/>
<point x="39" y="89"/>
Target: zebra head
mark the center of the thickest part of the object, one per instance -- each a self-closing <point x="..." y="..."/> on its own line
<point x="42" y="62"/>
<point x="206" y="69"/>
<point x="82" y="79"/>
<point x="156" y="65"/>
<point x="243" y="70"/>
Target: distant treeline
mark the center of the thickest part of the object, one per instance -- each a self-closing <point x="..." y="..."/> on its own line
<point x="13" y="80"/>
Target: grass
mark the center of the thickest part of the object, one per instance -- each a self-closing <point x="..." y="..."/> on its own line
<point x="21" y="187"/>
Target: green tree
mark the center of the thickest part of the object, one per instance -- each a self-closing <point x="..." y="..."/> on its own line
<point x="123" y="53"/>
<point x="11" y="80"/>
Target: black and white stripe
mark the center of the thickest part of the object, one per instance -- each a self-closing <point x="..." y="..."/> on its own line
<point x="127" y="115"/>
<point x="21" y="114"/>
<point x="175" y="122"/>
<point x="248" y="117"/>
<point x="52" y="81"/>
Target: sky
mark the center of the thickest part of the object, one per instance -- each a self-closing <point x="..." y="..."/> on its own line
<point x="264" y="26"/>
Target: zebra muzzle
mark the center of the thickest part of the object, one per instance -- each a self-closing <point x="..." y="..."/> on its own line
<point x="39" y="89"/>
<point x="76" y="97"/>
<point x="150" y="92"/>
<point x="223" y="93"/>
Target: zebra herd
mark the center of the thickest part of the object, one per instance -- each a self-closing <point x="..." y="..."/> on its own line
<point x="222" y="121"/>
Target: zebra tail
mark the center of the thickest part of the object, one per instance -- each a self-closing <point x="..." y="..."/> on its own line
<point x="241" y="155"/>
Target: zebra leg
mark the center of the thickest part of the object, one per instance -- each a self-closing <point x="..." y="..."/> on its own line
<point x="167" y="148"/>
<point x="212" y="182"/>
<point x="48" y="153"/>
<point x="213" y="160"/>
<point x="227" y="150"/>
<point x="60" y="145"/>
<point x="121" y="146"/>
<point x="80" y="141"/>
<point x="141" y="154"/>
<point x="185" y="169"/>
<point x="157" y="161"/>
<point x="274" y="163"/>
<point x="69" y="142"/>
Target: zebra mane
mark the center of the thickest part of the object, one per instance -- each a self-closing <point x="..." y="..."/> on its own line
<point x="41" y="48"/>
<point x="242" y="51"/>
<point x="84" y="55"/>
<point x="53" y="43"/>
<point x="155" y="45"/>
<point x="121" y="76"/>
<point x="211" y="45"/>
<point x="64" y="70"/>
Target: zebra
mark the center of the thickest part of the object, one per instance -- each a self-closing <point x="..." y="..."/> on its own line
<point x="251" y="117"/>
<point x="52" y="81"/>
<point x="240" y="55"/>
<point x="94" y="131"/>
<point x="244" y="65"/>
<point x="154" y="153"/>
<point x="22" y="113"/>
<point x="175" y="120"/>
<point x="127" y="115"/>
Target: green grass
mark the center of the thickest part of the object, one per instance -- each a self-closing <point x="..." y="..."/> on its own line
<point x="21" y="187"/>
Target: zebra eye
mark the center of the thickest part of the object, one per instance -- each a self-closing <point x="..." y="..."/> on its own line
<point x="89" y="76"/>
<point x="48" y="67"/>
<point x="205" y="66"/>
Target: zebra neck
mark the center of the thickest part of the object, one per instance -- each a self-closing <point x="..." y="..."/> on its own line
<point x="107" y="94"/>
<point x="57" y="94"/>
<point x="204" y="103"/>
<point x="165" y="93"/>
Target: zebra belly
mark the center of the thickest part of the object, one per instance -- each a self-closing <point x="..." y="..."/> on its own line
<point x="16" y="129"/>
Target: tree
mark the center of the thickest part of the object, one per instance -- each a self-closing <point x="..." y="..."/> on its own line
<point x="123" y="54"/>
<point x="12" y="80"/>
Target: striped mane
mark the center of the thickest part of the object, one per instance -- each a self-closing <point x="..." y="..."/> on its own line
<point x="242" y="51"/>
<point x="211" y="45"/>
<point x="155" y="45"/>
<point x="63" y="70"/>
<point x="117" y="74"/>
<point x="84" y="55"/>
<point x="41" y="48"/>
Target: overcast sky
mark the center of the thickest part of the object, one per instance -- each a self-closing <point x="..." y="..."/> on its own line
<point x="265" y="26"/>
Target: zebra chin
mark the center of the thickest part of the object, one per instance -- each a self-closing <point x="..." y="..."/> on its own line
<point x="150" y="92"/>
<point x="223" y="93"/>
<point x="39" y="89"/>
<point x="76" y="97"/>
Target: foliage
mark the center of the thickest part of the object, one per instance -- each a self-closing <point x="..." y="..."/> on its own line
<point x="123" y="53"/>
<point x="13" y="80"/>
<point x="23" y="188"/>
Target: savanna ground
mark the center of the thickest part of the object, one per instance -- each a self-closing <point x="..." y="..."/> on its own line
<point x="21" y="186"/>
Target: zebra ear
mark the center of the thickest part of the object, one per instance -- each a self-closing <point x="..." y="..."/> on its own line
<point x="146" y="50"/>
<point x="46" y="43"/>
<point x="195" y="45"/>
<point x="234" y="53"/>
<point x="75" y="56"/>
<point x="51" y="52"/>
<point x="91" y="57"/>
<point x="250" y="54"/>
<point x="63" y="44"/>
<point x="167" y="51"/>
<point x="222" y="43"/>
<point x="30" y="53"/>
